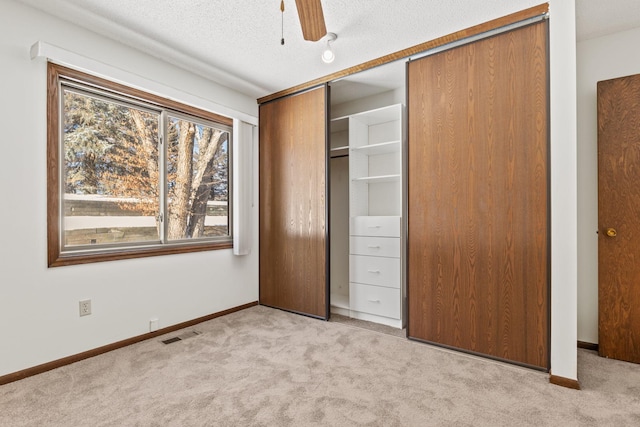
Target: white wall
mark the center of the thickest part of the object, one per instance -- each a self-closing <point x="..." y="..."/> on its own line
<point x="562" y="35"/>
<point x="39" y="319"/>
<point x="603" y="58"/>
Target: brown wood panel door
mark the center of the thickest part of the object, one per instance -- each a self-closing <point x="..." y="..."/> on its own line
<point x="619" y="218"/>
<point x="478" y="248"/>
<point x="293" y="204"/>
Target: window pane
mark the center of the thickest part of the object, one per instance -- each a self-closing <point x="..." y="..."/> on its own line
<point x="197" y="180"/>
<point x="110" y="172"/>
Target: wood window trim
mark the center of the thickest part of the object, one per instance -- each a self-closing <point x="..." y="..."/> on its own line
<point x="494" y="24"/>
<point x="55" y="258"/>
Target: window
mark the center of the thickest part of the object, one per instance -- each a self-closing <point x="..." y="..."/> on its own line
<point x="132" y="174"/>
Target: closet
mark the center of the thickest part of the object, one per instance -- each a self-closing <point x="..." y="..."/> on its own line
<point x="416" y="194"/>
<point x="366" y="142"/>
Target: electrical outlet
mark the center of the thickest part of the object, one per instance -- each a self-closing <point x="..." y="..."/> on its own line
<point x="85" y="307"/>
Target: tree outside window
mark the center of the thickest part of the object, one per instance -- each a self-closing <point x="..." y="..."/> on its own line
<point x="135" y="175"/>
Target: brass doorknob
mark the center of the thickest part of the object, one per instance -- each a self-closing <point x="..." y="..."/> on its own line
<point x="611" y="232"/>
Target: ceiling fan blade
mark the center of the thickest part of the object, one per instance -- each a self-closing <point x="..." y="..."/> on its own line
<point x="311" y="19"/>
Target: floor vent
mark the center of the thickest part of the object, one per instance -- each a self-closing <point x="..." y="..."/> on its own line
<point x="184" y="336"/>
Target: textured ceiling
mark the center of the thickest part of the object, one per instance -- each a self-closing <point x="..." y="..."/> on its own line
<point x="596" y="18"/>
<point x="237" y="42"/>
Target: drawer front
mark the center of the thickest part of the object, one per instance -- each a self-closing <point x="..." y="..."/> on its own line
<point x="385" y="226"/>
<point x="375" y="300"/>
<point x="373" y="270"/>
<point x="375" y="246"/>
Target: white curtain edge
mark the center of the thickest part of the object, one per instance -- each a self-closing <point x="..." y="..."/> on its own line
<point x="242" y="154"/>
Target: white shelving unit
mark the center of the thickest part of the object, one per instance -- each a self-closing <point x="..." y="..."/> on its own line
<point x="375" y="289"/>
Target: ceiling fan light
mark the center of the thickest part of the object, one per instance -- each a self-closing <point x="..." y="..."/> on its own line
<point x="327" y="54"/>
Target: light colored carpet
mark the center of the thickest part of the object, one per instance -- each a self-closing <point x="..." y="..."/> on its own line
<point x="265" y="367"/>
<point x="368" y="325"/>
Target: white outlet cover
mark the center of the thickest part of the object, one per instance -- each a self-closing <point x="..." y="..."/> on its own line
<point x="85" y="307"/>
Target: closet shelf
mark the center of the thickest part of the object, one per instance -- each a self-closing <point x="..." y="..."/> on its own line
<point x="380" y="148"/>
<point x="379" y="115"/>
<point x="377" y="179"/>
<point x="340" y="124"/>
<point x="338" y="149"/>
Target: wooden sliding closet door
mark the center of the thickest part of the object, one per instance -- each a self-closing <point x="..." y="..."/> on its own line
<point x="478" y="233"/>
<point x="293" y="204"/>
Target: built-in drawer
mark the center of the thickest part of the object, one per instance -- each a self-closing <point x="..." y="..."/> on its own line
<point x="375" y="246"/>
<point x="384" y="226"/>
<point x="376" y="300"/>
<point x="373" y="270"/>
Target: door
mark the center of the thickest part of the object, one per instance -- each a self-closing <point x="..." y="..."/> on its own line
<point x="478" y="234"/>
<point x="293" y="204"/>
<point x="619" y="218"/>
